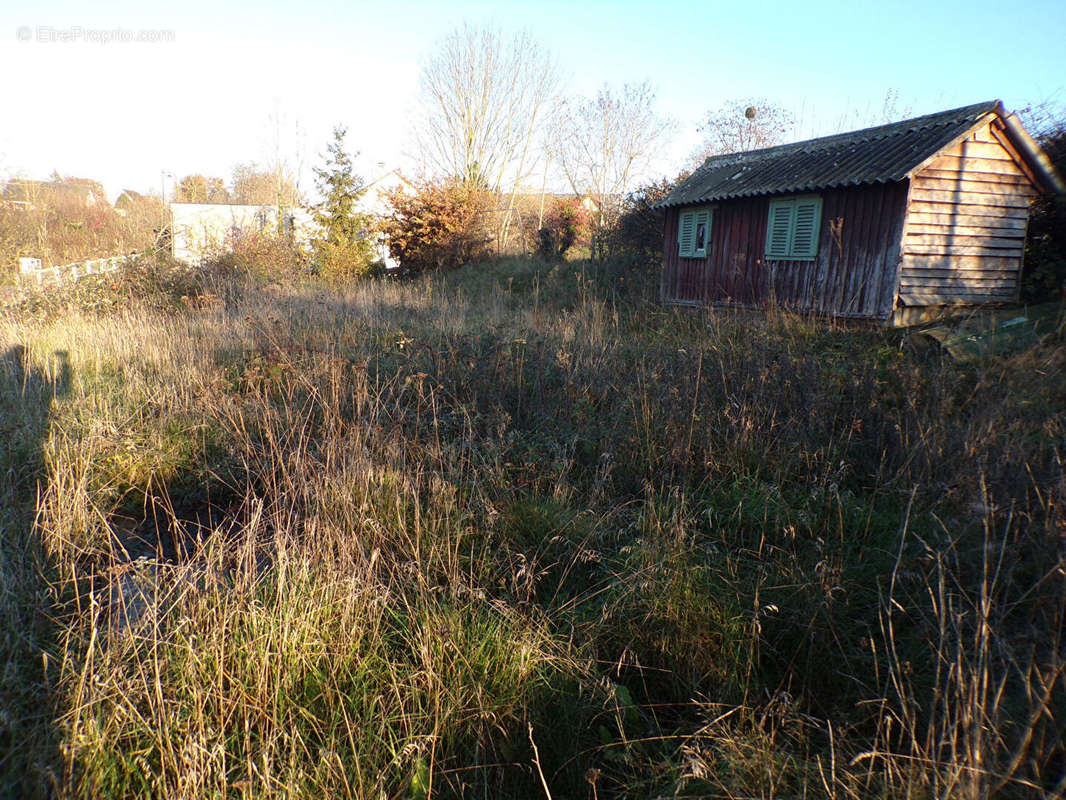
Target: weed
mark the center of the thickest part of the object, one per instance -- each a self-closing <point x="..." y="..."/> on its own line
<point x="517" y="529"/>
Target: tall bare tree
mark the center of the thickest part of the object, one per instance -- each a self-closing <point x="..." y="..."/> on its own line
<point x="265" y="185"/>
<point x="201" y="189"/>
<point x="741" y="125"/>
<point x="605" y="144"/>
<point x="286" y="160"/>
<point x="482" y="99"/>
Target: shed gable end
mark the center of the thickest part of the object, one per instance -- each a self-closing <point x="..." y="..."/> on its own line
<point x="966" y="223"/>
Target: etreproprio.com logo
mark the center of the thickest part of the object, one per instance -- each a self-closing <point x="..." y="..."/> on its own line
<point x="46" y="34"/>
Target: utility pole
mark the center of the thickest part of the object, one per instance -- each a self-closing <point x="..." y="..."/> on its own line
<point x="163" y="175"/>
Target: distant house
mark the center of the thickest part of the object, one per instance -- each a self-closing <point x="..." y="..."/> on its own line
<point x="130" y="202"/>
<point x="374" y="199"/>
<point x="588" y="203"/>
<point x="202" y="230"/>
<point x="25" y="193"/>
<point x="884" y="223"/>
<point x="16" y="193"/>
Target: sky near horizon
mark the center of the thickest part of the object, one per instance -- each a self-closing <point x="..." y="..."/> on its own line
<point x="235" y="80"/>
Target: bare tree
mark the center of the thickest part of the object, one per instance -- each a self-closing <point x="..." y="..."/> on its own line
<point x="265" y="185"/>
<point x="604" y="145"/>
<point x="1044" y="119"/>
<point x="200" y="189"/>
<point x="482" y="100"/>
<point x="286" y="160"/>
<point x="741" y="125"/>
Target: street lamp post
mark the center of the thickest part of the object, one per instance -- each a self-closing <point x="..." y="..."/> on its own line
<point x="163" y="175"/>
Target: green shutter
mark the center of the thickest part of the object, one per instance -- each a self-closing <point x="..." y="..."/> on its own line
<point x="687" y="224"/>
<point x="805" y="233"/>
<point x="779" y="228"/>
<point x="792" y="228"/>
<point x="686" y="233"/>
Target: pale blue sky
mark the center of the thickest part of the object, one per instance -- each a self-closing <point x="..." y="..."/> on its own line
<point x="122" y="112"/>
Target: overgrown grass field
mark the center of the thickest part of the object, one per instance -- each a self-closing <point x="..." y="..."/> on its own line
<point x="519" y="531"/>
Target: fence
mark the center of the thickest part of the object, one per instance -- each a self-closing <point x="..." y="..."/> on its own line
<point x="30" y="269"/>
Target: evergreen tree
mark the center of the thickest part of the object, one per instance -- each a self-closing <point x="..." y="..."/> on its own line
<point x="342" y="247"/>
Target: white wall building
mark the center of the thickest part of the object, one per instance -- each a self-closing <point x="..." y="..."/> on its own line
<point x="203" y="230"/>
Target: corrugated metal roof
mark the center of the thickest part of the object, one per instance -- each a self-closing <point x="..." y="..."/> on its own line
<point x="882" y="154"/>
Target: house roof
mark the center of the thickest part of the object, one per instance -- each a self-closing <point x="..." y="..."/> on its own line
<point x="882" y="154"/>
<point x="24" y="190"/>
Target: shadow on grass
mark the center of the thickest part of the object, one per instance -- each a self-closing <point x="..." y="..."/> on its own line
<point x="28" y="741"/>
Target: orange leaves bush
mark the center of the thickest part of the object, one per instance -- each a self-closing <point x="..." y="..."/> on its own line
<point x="437" y="225"/>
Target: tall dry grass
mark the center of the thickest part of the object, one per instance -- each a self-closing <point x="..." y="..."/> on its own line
<point x="518" y="531"/>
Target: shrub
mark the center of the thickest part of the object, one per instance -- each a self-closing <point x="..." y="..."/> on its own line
<point x="437" y="225"/>
<point x="638" y="234"/>
<point x="566" y="224"/>
<point x="1044" y="267"/>
<point x="152" y="280"/>
<point x="263" y="255"/>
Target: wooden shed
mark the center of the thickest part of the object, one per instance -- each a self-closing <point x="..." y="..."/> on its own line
<point x="885" y="223"/>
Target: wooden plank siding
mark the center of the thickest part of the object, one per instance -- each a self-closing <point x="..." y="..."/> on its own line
<point x="965" y="226"/>
<point x="853" y="275"/>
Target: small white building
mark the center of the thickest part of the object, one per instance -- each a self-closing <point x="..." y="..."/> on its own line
<point x="203" y="230"/>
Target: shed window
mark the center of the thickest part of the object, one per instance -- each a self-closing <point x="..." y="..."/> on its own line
<point x="792" y="228"/>
<point x="694" y="233"/>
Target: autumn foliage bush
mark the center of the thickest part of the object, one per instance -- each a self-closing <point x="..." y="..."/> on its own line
<point x="566" y="224"/>
<point x="438" y="225"/>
